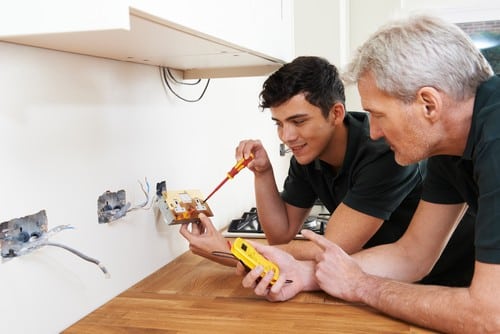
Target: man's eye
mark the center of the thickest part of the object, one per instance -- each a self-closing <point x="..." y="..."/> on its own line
<point x="298" y="121"/>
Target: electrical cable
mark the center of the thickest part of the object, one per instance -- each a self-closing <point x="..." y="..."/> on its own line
<point x="226" y="255"/>
<point x="171" y="76"/>
<point x="38" y="242"/>
<point x="165" y="73"/>
<point x="146" y="193"/>
<point x="80" y="254"/>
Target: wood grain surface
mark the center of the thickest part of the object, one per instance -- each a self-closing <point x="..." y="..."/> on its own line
<point x="194" y="295"/>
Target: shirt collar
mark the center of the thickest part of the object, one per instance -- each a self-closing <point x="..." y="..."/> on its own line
<point x="484" y="91"/>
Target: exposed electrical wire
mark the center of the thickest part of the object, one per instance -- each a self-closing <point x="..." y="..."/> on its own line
<point x="145" y="190"/>
<point x="167" y="76"/>
<point x="38" y="242"/>
<point x="80" y="254"/>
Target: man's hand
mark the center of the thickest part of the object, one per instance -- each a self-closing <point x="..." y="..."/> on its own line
<point x="336" y="273"/>
<point x="295" y="276"/>
<point x="261" y="162"/>
<point x="203" y="239"/>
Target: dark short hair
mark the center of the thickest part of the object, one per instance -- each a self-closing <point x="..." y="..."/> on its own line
<point x="313" y="76"/>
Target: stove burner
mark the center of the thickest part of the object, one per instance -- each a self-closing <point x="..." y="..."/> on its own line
<point x="311" y="223"/>
<point x="249" y="223"/>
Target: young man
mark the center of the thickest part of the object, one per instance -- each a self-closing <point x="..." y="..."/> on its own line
<point x="430" y="93"/>
<point x="370" y="197"/>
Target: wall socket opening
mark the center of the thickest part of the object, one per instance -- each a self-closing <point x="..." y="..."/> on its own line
<point x="17" y="232"/>
<point x="21" y="236"/>
<point x="111" y="206"/>
<point x="284" y="150"/>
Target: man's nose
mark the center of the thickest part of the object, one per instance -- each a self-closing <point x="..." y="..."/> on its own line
<point x="288" y="133"/>
<point x="375" y="131"/>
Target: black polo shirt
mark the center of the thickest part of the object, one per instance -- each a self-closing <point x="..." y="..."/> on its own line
<point x="370" y="181"/>
<point x="474" y="177"/>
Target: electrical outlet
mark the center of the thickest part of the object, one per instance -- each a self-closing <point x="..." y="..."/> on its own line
<point x="16" y="233"/>
<point x="283" y="150"/>
<point x="181" y="206"/>
<point x="111" y="206"/>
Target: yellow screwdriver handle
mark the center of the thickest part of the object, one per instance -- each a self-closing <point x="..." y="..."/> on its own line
<point x="242" y="163"/>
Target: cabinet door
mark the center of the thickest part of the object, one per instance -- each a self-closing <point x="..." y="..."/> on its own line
<point x="31" y="17"/>
<point x="200" y="37"/>
<point x="264" y="26"/>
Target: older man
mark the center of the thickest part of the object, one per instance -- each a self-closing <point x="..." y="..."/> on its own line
<point x="431" y="93"/>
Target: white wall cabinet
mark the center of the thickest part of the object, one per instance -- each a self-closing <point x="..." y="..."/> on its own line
<point x="218" y="38"/>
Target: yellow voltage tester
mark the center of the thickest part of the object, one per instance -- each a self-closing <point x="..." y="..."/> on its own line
<point x="250" y="258"/>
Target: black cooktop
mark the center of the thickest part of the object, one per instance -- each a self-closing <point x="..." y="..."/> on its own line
<point x="249" y="223"/>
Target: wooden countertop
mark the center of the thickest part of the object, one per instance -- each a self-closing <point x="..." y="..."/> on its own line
<point x="194" y="295"/>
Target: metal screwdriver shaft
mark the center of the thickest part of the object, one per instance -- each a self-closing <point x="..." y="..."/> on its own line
<point x="242" y="163"/>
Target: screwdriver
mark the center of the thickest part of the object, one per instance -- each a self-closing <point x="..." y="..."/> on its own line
<point x="242" y="163"/>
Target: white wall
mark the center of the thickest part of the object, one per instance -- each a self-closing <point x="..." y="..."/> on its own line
<point x="72" y="127"/>
<point x="455" y="10"/>
<point x="363" y="25"/>
<point x="364" y="18"/>
<point x="321" y="29"/>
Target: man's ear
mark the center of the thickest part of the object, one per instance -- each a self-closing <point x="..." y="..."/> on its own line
<point x="431" y="102"/>
<point x="337" y="113"/>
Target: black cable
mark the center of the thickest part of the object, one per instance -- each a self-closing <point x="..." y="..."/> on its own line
<point x="226" y="255"/>
<point x="181" y="82"/>
<point x="164" y="71"/>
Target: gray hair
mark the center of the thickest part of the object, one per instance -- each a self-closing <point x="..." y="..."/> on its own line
<point x="407" y="55"/>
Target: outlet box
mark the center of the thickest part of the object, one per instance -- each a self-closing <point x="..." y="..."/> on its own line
<point x="111" y="206"/>
<point x="15" y="233"/>
<point x="284" y="150"/>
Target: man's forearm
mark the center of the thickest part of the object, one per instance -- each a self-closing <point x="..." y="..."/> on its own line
<point x="397" y="264"/>
<point x="270" y="207"/>
<point x="445" y="309"/>
<point x="301" y="249"/>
